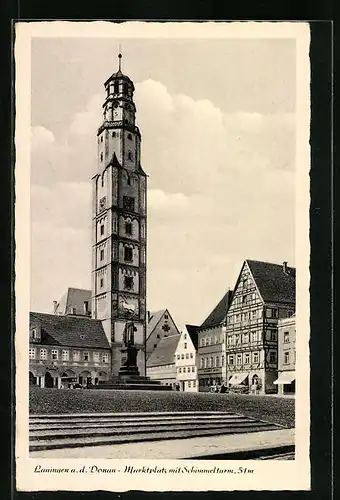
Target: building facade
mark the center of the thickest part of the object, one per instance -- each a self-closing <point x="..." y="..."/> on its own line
<point x="74" y="301"/>
<point x="67" y="350"/>
<point x="160" y="325"/>
<point x="186" y="360"/>
<point x="161" y="364"/>
<point x="211" y="346"/>
<point x="263" y="294"/>
<point x="286" y="356"/>
<point x="119" y="222"/>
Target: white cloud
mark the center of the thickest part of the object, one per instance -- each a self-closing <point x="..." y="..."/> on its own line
<point x="41" y="137"/>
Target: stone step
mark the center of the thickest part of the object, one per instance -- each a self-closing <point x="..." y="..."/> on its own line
<point x="133" y="423"/>
<point x="124" y="415"/>
<point x="73" y="422"/>
<point x="76" y="441"/>
<point x="121" y="430"/>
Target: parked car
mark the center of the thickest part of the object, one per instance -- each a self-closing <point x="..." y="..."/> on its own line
<point x="215" y="388"/>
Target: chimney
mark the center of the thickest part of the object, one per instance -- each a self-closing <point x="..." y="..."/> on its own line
<point x="55" y="305"/>
<point x="285" y="267"/>
<point x="86" y="307"/>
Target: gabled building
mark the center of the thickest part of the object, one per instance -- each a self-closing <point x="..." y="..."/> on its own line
<point x="286" y="356"/>
<point x="211" y="346"/>
<point x="161" y="363"/>
<point x="159" y="325"/>
<point x="76" y="301"/>
<point x="186" y="359"/>
<point x="264" y="293"/>
<point x="65" y="350"/>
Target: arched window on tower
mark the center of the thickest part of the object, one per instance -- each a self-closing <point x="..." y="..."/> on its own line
<point x="116" y="87"/>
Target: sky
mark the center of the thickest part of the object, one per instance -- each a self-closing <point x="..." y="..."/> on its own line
<point x="217" y="119"/>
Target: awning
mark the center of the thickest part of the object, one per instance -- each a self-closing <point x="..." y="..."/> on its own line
<point x="285" y="378"/>
<point x="238" y="378"/>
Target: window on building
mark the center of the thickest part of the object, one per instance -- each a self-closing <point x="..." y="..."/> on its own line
<point x="178" y="356"/>
<point x="216" y="340"/>
<point x="239" y="359"/>
<point x="86" y="356"/>
<point x="128" y="284"/>
<point x="253" y="314"/>
<point x="185" y="345"/>
<point x="211" y="362"/>
<point x="201" y="363"/>
<point x="54" y="353"/>
<point x="231" y="359"/>
<point x="184" y="369"/>
<point x="128" y="254"/>
<point x="102" y="255"/>
<point x="154" y="346"/>
<point x="194" y="383"/>
<point x="101" y="284"/>
<point x="182" y="356"/>
<point x="129" y="137"/>
<point x="65" y="355"/>
<point x="237" y="318"/>
<point x="158" y="336"/>
<point x="43" y="353"/>
<point x="96" y="357"/>
<point x="245" y="338"/>
<point x="101" y="156"/>
<point x="205" y="362"/>
<point x="286" y="357"/>
<point x="101" y="229"/>
<point x="191" y="355"/>
<point x="210" y="341"/>
<point x="222" y="361"/>
<point x="128" y="228"/>
<point x="187" y="355"/>
<point x="272" y="357"/>
<point x="76" y="355"/>
<point x="189" y="383"/>
<point x="31" y="353"/>
<point x="180" y="370"/>
<point x="247" y="359"/>
<point x="237" y="339"/>
<point x="105" y="357"/>
<point x="185" y="336"/>
<point x="166" y="316"/>
<point x="255" y="357"/>
<point x="113" y="134"/>
<point x="286" y="337"/>
<point x="253" y="336"/>
<point x="217" y="361"/>
<point x="193" y="369"/>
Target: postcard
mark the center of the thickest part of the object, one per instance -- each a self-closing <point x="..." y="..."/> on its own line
<point x="162" y="256"/>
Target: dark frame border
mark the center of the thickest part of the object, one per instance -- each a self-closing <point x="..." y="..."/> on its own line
<point x="321" y="231"/>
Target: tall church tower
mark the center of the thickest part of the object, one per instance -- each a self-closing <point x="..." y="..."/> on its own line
<point x="119" y="222"/>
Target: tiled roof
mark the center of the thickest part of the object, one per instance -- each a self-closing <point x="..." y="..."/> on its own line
<point x="192" y="331"/>
<point x="74" y="298"/>
<point x="218" y="314"/>
<point x="154" y="319"/>
<point x="164" y="354"/>
<point x="274" y="284"/>
<point x="69" y="331"/>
